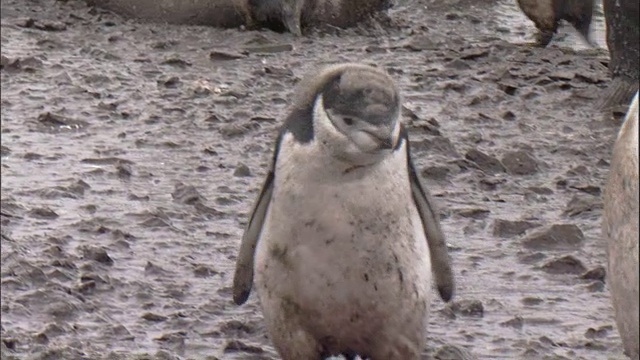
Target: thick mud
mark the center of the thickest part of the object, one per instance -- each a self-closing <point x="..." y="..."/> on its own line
<point x="131" y="154"/>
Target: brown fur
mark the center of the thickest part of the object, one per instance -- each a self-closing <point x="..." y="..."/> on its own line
<point x="218" y="13"/>
<point x="277" y="15"/>
<point x="546" y="15"/>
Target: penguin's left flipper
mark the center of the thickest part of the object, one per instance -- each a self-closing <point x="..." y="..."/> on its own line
<point x="440" y="260"/>
<point x="243" y="277"/>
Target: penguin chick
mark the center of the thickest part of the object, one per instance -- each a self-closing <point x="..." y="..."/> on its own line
<point x="620" y="229"/>
<point x="344" y="239"/>
<point x="546" y="15"/>
<point x="285" y="13"/>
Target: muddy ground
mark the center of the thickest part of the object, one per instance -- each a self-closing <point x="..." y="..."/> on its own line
<point x="131" y="154"/>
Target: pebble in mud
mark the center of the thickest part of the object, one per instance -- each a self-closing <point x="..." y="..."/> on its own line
<point x="555" y="237"/>
<point x="486" y="163"/>
<point x="564" y="265"/>
<point x="520" y="163"/>
<point x="242" y="170"/>
<point x="97" y="254"/>
<point x="452" y="352"/>
<point x="582" y="204"/>
<point x="472" y="308"/>
<point x="186" y="194"/>
<point x="508" y="228"/>
<point x="43" y="213"/>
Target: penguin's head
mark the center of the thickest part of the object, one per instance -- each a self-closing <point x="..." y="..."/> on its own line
<point x="356" y="113"/>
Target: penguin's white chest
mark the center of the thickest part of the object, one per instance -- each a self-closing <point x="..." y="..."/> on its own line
<point x="348" y="251"/>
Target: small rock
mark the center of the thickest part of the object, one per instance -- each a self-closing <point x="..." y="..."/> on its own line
<point x="225" y="55"/>
<point x="491" y="184"/>
<point x="421" y="42"/>
<point x="50" y="119"/>
<point x="235" y="129"/>
<point x="97" y="254"/>
<point x="5" y="61"/>
<point x="564" y="265"/>
<point x="452" y="16"/>
<point x="598" y="333"/>
<point x="238" y="345"/>
<point x="589" y="189"/>
<point x="268" y="48"/>
<point x="452" y="352"/>
<point x="579" y="170"/>
<point x="507" y="228"/>
<point x="105" y="161"/>
<point x="47" y="25"/>
<point x="153" y="269"/>
<point x="154" y="317"/>
<point x="437" y="173"/>
<point x="123" y="170"/>
<point x="555" y="237"/>
<point x="43" y="213"/>
<point x="207" y="210"/>
<point x="475" y="213"/>
<point x="509" y="116"/>
<point x="203" y="271"/>
<point x="520" y="163"/>
<point x="171" y="82"/>
<point x="562" y="75"/>
<point x="236" y="327"/>
<point x="595" y="286"/>
<point x="242" y="170"/>
<point x="531" y="258"/>
<point x="540" y="190"/>
<point x="531" y="300"/>
<point x="466" y="308"/>
<point x="186" y="194"/>
<point x="86" y="287"/>
<point x="597" y="273"/>
<point x="486" y="163"/>
<point x="516" y="322"/>
<point x="176" y="61"/>
<point x="509" y="89"/>
<point x="474" y="53"/>
<point x="458" y="64"/>
<point x="10" y="343"/>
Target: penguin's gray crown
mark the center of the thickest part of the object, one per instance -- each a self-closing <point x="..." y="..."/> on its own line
<point x="362" y="94"/>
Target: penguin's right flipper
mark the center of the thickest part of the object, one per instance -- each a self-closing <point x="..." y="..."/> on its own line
<point x="440" y="259"/>
<point x="243" y="277"/>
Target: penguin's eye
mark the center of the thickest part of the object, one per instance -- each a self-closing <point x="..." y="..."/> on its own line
<point x="348" y="121"/>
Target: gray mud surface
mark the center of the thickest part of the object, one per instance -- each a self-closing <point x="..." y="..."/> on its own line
<point x="131" y="154"/>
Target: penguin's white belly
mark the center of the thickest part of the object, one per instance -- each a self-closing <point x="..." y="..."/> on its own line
<point x="346" y="262"/>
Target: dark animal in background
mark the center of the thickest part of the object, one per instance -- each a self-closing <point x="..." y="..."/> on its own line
<point x="622" y="18"/>
<point x="546" y="14"/>
<point x="282" y="14"/>
<point x="278" y="15"/>
<point x="295" y="15"/>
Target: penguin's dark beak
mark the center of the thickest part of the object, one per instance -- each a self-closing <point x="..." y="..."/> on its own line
<point x="384" y="139"/>
<point x="386" y="143"/>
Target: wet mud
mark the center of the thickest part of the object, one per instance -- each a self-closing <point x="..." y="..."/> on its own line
<point x="131" y="154"/>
